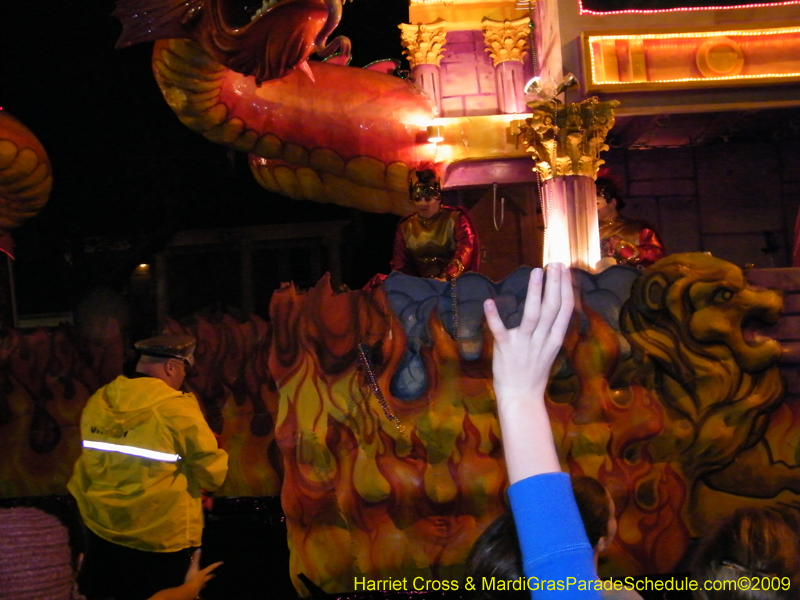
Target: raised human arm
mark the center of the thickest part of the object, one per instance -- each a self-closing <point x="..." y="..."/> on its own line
<point x="521" y="363"/>
<point x="551" y="534"/>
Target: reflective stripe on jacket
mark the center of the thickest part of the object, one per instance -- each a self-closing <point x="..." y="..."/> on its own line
<point x="148" y="452"/>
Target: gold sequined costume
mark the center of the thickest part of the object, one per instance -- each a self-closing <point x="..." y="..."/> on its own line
<point x="631" y="242"/>
<point x="441" y="247"/>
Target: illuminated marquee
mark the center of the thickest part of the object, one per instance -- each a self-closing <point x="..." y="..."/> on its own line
<point x="669" y="60"/>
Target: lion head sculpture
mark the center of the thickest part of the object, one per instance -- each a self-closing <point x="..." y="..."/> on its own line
<point x="689" y="316"/>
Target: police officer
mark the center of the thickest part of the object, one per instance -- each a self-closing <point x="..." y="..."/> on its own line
<point x="147" y="454"/>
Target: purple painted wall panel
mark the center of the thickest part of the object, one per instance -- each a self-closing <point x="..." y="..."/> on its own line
<point x="467" y="76"/>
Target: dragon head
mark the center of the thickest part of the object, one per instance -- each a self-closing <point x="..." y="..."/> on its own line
<point x="266" y="40"/>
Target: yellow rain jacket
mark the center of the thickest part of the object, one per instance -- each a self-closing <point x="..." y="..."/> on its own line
<point x="147" y="503"/>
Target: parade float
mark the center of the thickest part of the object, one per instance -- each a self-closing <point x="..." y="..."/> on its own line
<point x="370" y="412"/>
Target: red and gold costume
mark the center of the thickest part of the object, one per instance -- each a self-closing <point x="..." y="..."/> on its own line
<point x="631" y="242"/>
<point x="441" y="247"/>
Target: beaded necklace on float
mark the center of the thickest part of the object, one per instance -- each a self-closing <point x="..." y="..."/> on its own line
<point x="454" y="304"/>
<point x="371" y="385"/>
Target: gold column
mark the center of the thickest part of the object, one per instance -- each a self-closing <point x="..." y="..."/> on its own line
<point x="424" y="45"/>
<point x="507" y="44"/>
<point x="566" y="141"/>
<point x="506" y="40"/>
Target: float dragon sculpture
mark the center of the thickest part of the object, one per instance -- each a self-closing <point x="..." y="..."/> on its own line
<point x="314" y="130"/>
<point x="26" y="177"/>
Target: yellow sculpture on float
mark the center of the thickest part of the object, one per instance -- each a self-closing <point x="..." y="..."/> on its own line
<point x="719" y="388"/>
<point x="507" y="40"/>
<point x="699" y="396"/>
<point x="423" y="44"/>
<point x="568" y="139"/>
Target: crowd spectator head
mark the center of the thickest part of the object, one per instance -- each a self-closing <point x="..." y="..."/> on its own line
<point x="36" y="559"/>
<point x="597" y="512"/>
<point x="496" y="554"/>
<point x="759" y="545"/>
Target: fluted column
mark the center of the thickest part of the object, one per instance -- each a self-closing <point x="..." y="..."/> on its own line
<point x="566" y="141"/>
<point x="507" y="44"/>
<point x="424" y="45"/>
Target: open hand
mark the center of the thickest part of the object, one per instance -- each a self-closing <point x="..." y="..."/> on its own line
<point x="524" y="355"/>
<point x="197" y="576"/>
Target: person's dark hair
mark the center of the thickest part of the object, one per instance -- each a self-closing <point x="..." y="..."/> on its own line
<point x="752" y="543"/>
<point x="592" y="500"/>
<point x="607" y="189"/>
<point x="496" y="554"/>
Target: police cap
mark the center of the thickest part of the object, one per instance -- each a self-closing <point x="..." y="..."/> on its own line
<point x="168" y="346"/>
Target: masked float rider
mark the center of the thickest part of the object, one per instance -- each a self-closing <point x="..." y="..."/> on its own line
<point x="437" y="241"/>
<point x="630" y="242"/>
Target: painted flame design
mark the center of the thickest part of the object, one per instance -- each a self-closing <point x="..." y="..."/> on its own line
<point x="407" y="501"/>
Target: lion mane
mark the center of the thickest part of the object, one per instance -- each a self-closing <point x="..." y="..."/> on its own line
<point x="688" y="319"/>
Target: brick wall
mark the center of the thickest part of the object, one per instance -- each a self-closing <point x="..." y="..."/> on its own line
<point x="467" y="76"/>
<point x="716" y="198"/>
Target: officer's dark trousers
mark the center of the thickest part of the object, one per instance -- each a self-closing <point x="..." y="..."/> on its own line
<point x="114" y="571"/>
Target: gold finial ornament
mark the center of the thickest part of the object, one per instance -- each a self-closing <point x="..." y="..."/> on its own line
<point x="506" y="40"/>
<point x="568" y="139"/>
<point x="423" y="44"/>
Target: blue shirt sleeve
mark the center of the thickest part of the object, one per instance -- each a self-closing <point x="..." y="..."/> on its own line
<point x="555" y="550"/>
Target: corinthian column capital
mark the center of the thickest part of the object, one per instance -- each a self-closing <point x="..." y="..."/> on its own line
<point x="506" y="40"/>
<point x="423" y="43"/>
<point x="567" y="139"/>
